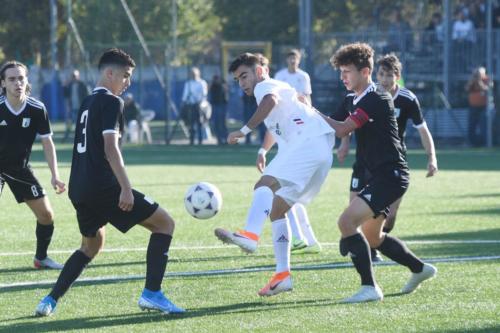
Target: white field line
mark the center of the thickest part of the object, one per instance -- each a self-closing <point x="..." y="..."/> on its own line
<point x="121" y="278"/>
<point x="214" y="247"/>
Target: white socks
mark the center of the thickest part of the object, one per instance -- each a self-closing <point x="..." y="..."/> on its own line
<point x="303" y="218"/>
<point x="281" y="243"/>
<point x="259" y="210"/>
<point x="294" y="224"/>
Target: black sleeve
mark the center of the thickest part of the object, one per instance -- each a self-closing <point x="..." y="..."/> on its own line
<point x="43" y="126"/>
<point x="111" y="115"/>
<point x="415" y="112"/>
<point x="342" y="111"/>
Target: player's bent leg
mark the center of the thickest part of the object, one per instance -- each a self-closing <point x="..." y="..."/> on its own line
<point x="354" y="244"/>
<point x="281" y="281"/>
<point x="372" y="229"/>
<point x="72" y="269"/>
<point x="159" y="222"/>
<point x="248" y="238"/>
<point x="44" y="231"/>
<point x="391" y="218"/>
<point x="162" y="226"/>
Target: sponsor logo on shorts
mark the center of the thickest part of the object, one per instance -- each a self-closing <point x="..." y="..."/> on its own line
<point x="355" y="182"/>
<point x="368" y="196"/>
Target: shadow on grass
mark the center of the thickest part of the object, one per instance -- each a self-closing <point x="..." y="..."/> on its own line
<point x="483" y="234"/>
<point x="34" y="324"/>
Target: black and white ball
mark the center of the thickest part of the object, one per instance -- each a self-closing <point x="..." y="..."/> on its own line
<point x="203" y="200"/>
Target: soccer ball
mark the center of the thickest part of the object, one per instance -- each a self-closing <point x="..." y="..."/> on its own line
<point x="203" y="200"/>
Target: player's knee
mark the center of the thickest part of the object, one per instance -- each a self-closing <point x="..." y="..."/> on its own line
<point x="344" y="224"/>
<point x="46" y="216"/>
<point x="161" y="222"/>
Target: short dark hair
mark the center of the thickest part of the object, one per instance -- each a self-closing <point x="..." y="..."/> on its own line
<point x="293" y="52"/>
<point x="247" y="59"/>
<point x="13" y="64"/>
<point x="390" y="62"/>
<point x="115" y="57"/>
<point x="357" y="54"/>
<point x="263" y="59"/>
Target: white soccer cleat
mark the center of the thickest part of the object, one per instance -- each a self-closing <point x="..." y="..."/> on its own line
<point x="366" y="294"/>
<point x="247" y="241"/>
<point x="279" y="283"/>
<point x="46" y="263"/>
<point x="428" y="272"/>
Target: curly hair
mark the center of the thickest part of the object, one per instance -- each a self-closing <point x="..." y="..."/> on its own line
<point x="357" y="54"/>
<point x="390" y="62"/>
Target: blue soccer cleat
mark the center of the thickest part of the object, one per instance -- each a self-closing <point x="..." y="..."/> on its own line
<point x="155" y="300"/>
<point x="46" y="307"/>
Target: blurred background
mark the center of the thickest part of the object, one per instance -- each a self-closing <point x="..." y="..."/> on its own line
<point x="440" y="43"/>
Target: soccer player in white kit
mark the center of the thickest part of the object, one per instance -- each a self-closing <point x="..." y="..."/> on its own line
<point x="304" y="238"/>
<point x="295" y="175"/>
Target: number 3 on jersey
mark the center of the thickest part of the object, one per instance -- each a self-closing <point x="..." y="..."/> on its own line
<point x="81" y="147"/>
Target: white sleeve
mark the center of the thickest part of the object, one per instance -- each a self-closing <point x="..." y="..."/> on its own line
<point x="265" y="88"/>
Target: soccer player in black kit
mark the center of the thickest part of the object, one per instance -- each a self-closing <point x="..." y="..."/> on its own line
<point x="406" y="106"/>
<point x="22" y="118"/>
<point x="379" y="149"/>
<point x="100" y="190"/>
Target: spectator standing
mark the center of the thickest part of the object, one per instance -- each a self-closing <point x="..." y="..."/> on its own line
<point x="477" y="89"/>
<point x="217" y="95"/>
<point x="74" y="92"/>
<point x="195" y="92"/>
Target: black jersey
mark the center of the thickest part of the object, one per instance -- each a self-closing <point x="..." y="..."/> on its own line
<point x="406" y="106"/>
<point x="100" y="113"/>
<point x="18" y="131"/>
<point x="378" y="143"/>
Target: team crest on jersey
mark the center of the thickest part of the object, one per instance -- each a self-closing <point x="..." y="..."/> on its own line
<point x="397" y="112"/>
<point x="26" y="122"/>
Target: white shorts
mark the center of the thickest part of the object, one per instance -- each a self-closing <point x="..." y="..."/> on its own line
<point x="301" y="169"/>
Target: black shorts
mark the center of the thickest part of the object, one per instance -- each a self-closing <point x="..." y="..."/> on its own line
<point x="359" y="178"/>
<point x="384" y="188"/>
<point x="22" y="183"/>
<point x="94" y="213"/>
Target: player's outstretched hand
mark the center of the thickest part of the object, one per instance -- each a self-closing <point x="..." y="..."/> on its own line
<point x="234" y="137"/>
<point x="126" y="200"/>
<point x="58" y="185"/>
<point x="432" y="168"/>
<point x="261" y="162"/>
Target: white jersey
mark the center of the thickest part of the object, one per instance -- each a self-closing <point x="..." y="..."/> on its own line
<point x="299" y="80"/>
<point x="290" y="121"/>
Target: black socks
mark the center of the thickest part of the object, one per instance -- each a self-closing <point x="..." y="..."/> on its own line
<point x="398" y="252"/>
<point x="43" y="236"/>
<point x="359" y="250"/>
<point x="71" y="271"/>
<point x="156" y="260"/>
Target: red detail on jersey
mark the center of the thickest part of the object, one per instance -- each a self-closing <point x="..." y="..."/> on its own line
<point x="360" y="117"/>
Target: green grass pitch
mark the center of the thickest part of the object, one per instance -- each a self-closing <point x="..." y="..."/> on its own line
<point x="452" y="218"/>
